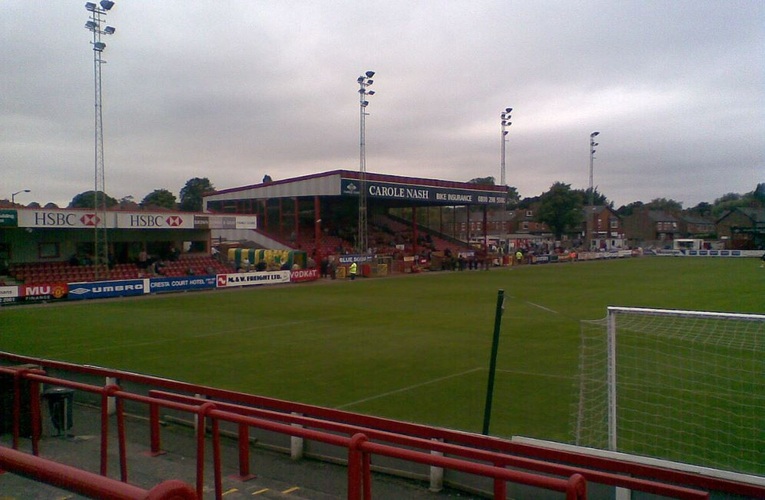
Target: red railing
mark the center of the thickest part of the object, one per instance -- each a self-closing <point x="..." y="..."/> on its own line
<point x="359" y="449"/>
<point x="87" y="483"/>
<point x="428" y="445"/>
<point x="362" y="436"/>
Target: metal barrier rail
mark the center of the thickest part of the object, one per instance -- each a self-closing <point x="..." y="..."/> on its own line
<point x="359" y="449"/>
<point x="328" y="417"/>
<point x="497" y="459"/>
<point x="87" y="483"/>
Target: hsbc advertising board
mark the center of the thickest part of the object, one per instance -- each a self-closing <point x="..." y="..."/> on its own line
<point x="148" y="220"/>
<point x="86" y="219"/>
<point x="251" y="279"/>
<point x="62" y="219"/>
<point x="103" y="289"/>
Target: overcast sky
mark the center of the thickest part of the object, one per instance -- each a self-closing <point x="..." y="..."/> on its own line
<point x="234" y="90"/>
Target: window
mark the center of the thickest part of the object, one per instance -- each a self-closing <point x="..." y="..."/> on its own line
<point x="529" y="213"/>
<point x="614" y="223"/>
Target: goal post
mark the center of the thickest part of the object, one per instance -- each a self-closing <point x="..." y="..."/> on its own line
<point x="680" y="385"/>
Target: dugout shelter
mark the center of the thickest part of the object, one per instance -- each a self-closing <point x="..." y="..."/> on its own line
<point x="319" y="213"/>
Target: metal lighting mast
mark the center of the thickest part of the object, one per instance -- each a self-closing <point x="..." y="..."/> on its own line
<point x="364" y="82"/>
<point x="505" y="119"/>
<point x="101" y="245"/>
<point x="592" y="157"/>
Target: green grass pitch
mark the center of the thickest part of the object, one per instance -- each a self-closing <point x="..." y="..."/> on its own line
<point x="414" y="348"/>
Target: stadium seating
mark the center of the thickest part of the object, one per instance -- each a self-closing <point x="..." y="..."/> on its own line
<point x="64" y="272"/>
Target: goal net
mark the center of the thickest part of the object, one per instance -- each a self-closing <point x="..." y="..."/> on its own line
<point x="685" y="386"/>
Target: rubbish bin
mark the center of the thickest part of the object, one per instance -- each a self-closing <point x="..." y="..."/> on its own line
<point x="60" y="401"/>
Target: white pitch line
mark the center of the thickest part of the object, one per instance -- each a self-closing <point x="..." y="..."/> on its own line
<point x="404" y="389"/>
<point x="542" y="307"/>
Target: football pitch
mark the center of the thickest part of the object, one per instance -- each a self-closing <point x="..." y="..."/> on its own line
<point x="414" y="347"/>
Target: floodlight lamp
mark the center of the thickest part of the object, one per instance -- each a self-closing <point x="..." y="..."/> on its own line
<point x="99" y="46"/>
<point x="370" y="74"/>
<point x="91" y="6"/>
<point x="364" y="104"/>
<point x="109" y="30"/>
<point x="106" y="4"/>
<point x="370" y="82"/>
<point x="360" y="79"/>
<point x="371" y="92"/>
<point x="594" y="134"/>
<point x="505" y="132"/>
<point x="91" y="25"/>
<point x="508" y="110"/>
<point x="593" y="144"/>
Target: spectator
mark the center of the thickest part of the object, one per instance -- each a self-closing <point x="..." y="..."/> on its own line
<point x="159" y="268"/>
<point x="143" y="259"/>
<point x="174" y="254"/>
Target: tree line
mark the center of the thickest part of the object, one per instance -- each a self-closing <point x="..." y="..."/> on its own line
<point x="561" y="206"/>
<point x="190" y="197"/>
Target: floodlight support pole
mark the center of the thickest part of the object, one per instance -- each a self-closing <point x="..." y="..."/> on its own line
<point x="505" y="122"/>
<point x="493" y="362"/>
<point x="592" y="158"/>
<point x="364" y="82"/>
<point x="100" y="223"/>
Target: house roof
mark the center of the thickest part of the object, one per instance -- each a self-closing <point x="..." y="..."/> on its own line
<point x="661" y="216"/>
<point x="756" y="215"/>
<point x="696" y="219"/>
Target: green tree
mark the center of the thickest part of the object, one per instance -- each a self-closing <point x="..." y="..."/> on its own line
<point x="482" y="180"/>
<point x="513" y="198"/>
<point x="759" y="192"/>
<point x="665" y="205"/>
<point x="191" y="194"/>
<point x="703" y="209"/>
<point x="729" y="201"/>
<point x="631" y="208"/>
<point x="560" y="208"/>
<point x="598" y="199"/>
<point x="159" y="198"/>
<point x="86" y="200"/>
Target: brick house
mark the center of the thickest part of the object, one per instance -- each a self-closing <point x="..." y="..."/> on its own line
<point x="696" y="226"/>
<point x="524" y="222"/>
<point x="602" y="228"/>
<point x="651" y="228"/>
<point x="743" y="228"/>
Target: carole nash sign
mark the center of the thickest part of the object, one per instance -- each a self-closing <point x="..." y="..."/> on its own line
<point x="430" y="194"/>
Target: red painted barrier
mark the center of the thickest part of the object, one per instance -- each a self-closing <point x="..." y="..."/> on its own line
<point x="502" y="457"/>
<point x="87" y="483"/>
